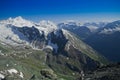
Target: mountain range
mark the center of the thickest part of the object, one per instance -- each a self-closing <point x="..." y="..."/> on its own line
<point x="46" y="51"/>
<point x="103" y="37"/>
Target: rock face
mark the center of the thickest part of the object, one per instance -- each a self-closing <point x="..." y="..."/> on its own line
<point x="73" y="56"/>
<point x="49" y="74"/>
<point x="34" y="37"/>
<point x="57" y="37"/>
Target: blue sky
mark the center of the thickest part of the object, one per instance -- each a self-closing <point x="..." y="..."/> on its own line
<point x="58" y="10"/>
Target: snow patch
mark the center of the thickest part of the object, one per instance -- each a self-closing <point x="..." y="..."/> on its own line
<point x="7" y="65"/>
<point x="58" y="33"/>
<point x="2" y="76"/>
<point x="11" y="71"/>
<point x="68" y="46"/>
<point x="21" y="75"/>
<point x="49" y="47"/>
<point x="54" y="46"/>
<point x="1" y="53"/>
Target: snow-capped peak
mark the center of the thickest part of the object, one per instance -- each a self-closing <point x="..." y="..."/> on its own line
<point x="46" y="26"/>
<point x="18" y="21"/>
<point x="19" y="18"/>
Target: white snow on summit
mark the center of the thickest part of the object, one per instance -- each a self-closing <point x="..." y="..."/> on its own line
<point x="8" y="36"/>
<point x="18" y="21"/>
<point x="7" y="32"/>
<point x="46" y="26"/>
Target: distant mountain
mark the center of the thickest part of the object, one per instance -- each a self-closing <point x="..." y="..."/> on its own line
<point x="93" y="26"/>
<point x="82" y="30"/>
<point x="75" y="28"/>
<point x="106" y="41"/>
<point x="34" y="51"/>
<point x="103" y="36"/>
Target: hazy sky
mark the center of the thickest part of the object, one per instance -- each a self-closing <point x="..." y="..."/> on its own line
<point x="58" y="10"/>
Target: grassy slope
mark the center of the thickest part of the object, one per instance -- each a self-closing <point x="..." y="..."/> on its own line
<point x="28" y="61"/>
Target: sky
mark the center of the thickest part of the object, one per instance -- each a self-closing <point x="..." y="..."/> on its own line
<point x="59" y="10"/>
